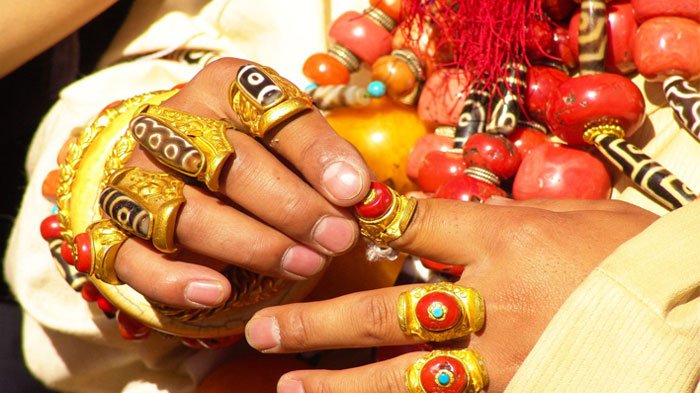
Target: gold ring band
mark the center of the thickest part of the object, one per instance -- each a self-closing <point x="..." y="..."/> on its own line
<point x="105" y="241"/>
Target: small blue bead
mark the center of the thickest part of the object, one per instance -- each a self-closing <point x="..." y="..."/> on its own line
<point x="443" y="379"/>
<point x="54" y="209"/>
<point x="438" y="312"/>
<point x="376" y="89"/>
<point x="311" y="86"/>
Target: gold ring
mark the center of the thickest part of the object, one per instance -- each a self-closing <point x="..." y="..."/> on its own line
<point x="262" y="99"/>
<point x="384" y="214"/>
<point x="193" y="145"/>
<point x="441" y="311"/>
<point x="458" y="371"/>
<point x="105" y="241"/>
<point x="144" y="204"/>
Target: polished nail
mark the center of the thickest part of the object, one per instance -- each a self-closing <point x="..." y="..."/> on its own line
<point x="287" y="385"/>
<point x="342" y="181"/>
<point x="302" y="261"/>
<point x="335" y="234"/>
<point x="204" y="293"/>
<point x="263" y="333"/>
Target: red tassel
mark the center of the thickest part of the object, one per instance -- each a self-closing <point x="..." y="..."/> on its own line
<point x="484" y="35"/>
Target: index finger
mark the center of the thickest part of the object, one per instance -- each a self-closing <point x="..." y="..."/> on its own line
<point x="327" y="161"/>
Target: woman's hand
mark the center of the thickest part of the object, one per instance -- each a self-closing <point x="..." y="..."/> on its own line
<point x="525" y="258"/>
<point x="279" y="212"/>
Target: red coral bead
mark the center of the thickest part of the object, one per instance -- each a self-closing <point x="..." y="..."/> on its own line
<point x="358" y="33"/>
<point x="621" y="28"/>
<point x="492" y="152"/>
<point x="525" y="139"/>
<point x="667" y="46"/>
<point x="438" y="168"/>
<point x="425" y="144"/>
<point x="325" y="69"/>
<point x="438" y="311"/>
<point x="444" y="374"/>
<point x="646" y="9"/>
<point x="67" y="253"/>
<point x="590" y="99"/>
<point x="539" y="40"/>
<point x="377" y="202"/>
<point x="108" y="308"/>
<point x="562" y="49"/>
<point x="50" y="228"/>
<point x="558" y="9"/>
<point x="89" y="292"/>
<point x="553" y="170"/>
<point x="542" y="84"/>
<point x="84" y="251"/>
<point x="468" y="189"/>
<point x="442" y="97"/>
<point x="450" y="270"/>
<point x="130" y="328"/>
<point x="390" y="7"/>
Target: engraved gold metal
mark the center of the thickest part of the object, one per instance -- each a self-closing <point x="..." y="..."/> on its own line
<point x="472" y="362"/>
<point x="603" y="129"/>
<point x="257" y="118"/>
<point x="471" y="305"/>
<point x="105" y="241"/>
<point x="392" y="224"/>
<point x="160" y="195"/>
<point x="207" y="135"/>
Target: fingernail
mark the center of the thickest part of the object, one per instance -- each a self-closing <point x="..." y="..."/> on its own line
<point x="263" y="333"/>
<point x="288" y="385"/>
<point x="302" y="261"/>
<point x="498" y="200"/>
<point x="204" y="293"/>
<point x="335" y="234"/>
<point x="342" y="181"/>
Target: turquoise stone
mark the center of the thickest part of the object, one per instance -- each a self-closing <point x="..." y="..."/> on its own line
<point x="443" y="379"/>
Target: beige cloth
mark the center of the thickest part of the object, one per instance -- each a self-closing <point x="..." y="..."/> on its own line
<point x="632" y="326"/>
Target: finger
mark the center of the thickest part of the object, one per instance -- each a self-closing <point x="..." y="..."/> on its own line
<point x="180" y="283"/>
<point x="363" y="319"/>
<point x="382" y="377"/>
<point x="328" y="162"/>
<point x="566" y="205"/>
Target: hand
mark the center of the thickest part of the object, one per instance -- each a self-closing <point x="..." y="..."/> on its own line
<point x="280" y="212"/>
<point x="524" y="257"/>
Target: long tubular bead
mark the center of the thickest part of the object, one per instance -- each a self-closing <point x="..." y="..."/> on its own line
<point x="73" y="277"/>
<point x="472" y="120"/>
<point x="592" y="37"/>
<point x="685" y="101"/>
<point x="507" y="106"/>
<point x="648" y="174"/>
<point x="338" y="96"/>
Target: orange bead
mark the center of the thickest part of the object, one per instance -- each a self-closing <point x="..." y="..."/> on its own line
<point x="50" y="186"/>
<point x="63" y="153"/>
<point x="390" y="7"/>
<point x="324" y="69"/>
<point x="396" y="75"/>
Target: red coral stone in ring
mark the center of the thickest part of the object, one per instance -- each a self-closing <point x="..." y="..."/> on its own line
<point x="444" y="374"/>
<point x="376" y="203"/>
<point x="438" y="311"/>
<point x="84" y="260"/>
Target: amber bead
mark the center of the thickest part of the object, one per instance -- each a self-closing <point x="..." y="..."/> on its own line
<point x="390" y="7"/>
<point x="667" y="46"/>
<point x="324" y="69"/>
<point x="595" y="99"/>
<point x="49" y="188"/>
<point x="396" y="75"/>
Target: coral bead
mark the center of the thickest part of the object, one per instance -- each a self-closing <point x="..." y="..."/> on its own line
<point x="492" y="152"/>
<point x="542" y="83"/>
<point x="442" y="97"/>
<point x="558" y="9"/>
<point x="130" y="328"/>
<point x="49" y="188"/>
<point x="444" y="374"/>
<point x="426" y="144"/>
<point x="468" y="189"/>
<point x="396" y="75"/>
<point x="83" y="247"/>
<point x="525" y="139"/>
<point x="552" y="170"/>
<point x="108" y="308"/>
<point x="423" y="43"/>
<point x="621" y="28"/>
<point x="647" y="9"/>
<point x="67" y="253"/>
<point x="376" y="203"/>
<point x="562" y="49"/>
<point x="667" y="46"/>
<point x="439" y="167"/>
<point x="438" y="311"/>
<point x="539" y="40"/>
<point x="594" y="99"/>
<point x="50" y="228"/>
<point x="444" y="268"/>
<point x="89" y="292"/>
<point x="361" y="36"/>
<point x="325" y="69"/>
<point x="390" y="7"/>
